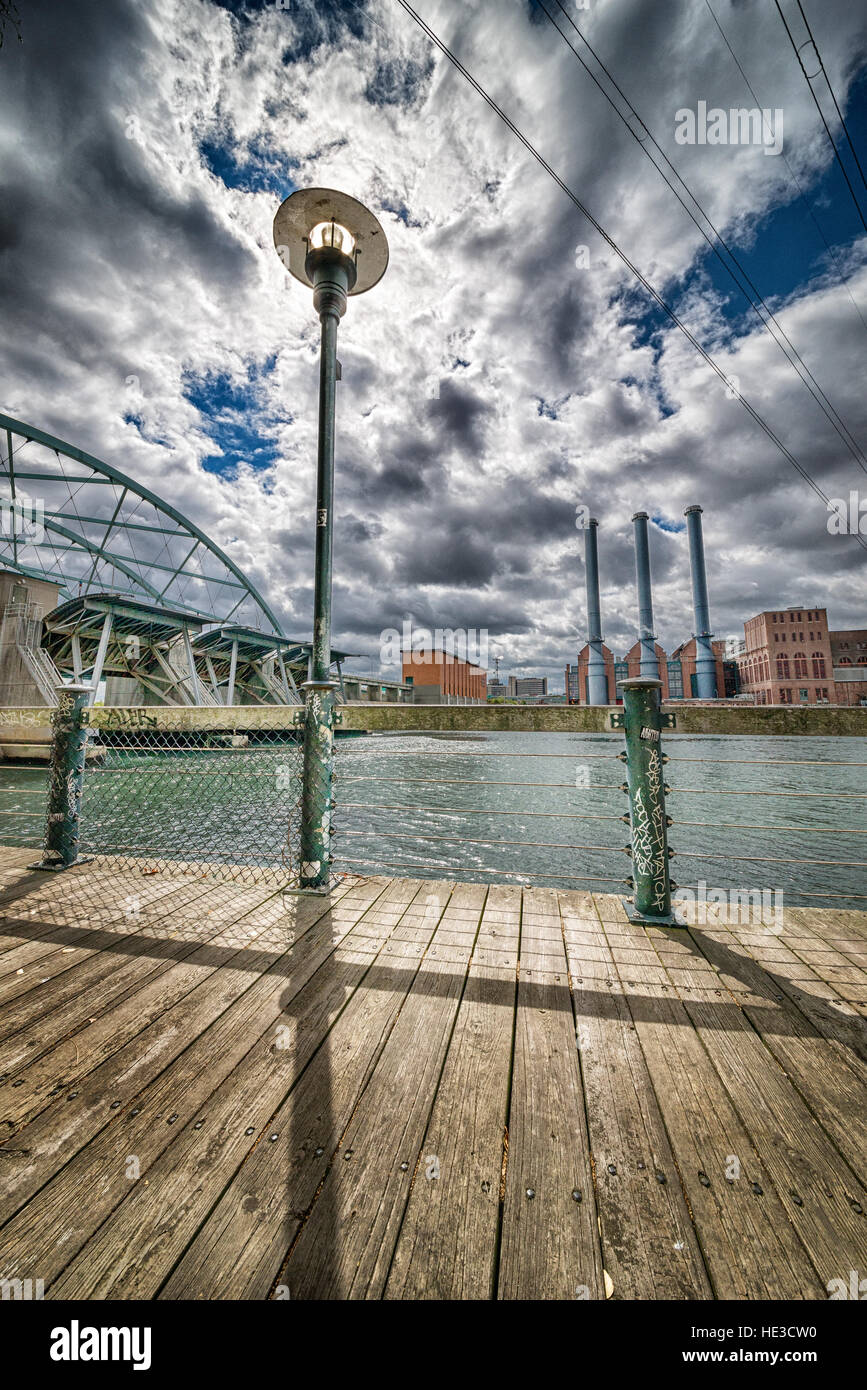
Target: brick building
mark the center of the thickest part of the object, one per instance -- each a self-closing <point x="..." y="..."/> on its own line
<point x="438" y="678"/>
<point x="787" y="658"/>
<point x="576" y="677"/>
<point x="849" y="664"/>
<point x="633" y="661"/>
<point x="682" y="682"/>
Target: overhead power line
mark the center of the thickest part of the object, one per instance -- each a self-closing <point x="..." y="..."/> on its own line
<point x="609" y="240"/>
<point x="747" y="287"/>
<point x="804" y="199"/>
<point x="833" y="97"/>
<point x="810" y="80"/>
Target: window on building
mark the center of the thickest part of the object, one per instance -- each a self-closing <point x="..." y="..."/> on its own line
<point x="800" y="663"/>
<point x="785" y="697"/>
<point x="782" y="668"/>
<point x="818" y="665"/>
<point x="862" y="661"/>
<point x="845" y="661"/>
<point x="804" y="696"/>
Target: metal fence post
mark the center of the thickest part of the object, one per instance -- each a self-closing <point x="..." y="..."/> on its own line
<point x="642" y="720"/>
<point x="65" y="779"/>
<point x="316" y="798"/>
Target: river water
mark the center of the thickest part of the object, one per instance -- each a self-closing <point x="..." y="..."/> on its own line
<point x="763" y="814"/>
<point x="555" y="800"/>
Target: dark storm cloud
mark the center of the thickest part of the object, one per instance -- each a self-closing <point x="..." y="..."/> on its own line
<point x="461" y="414"/>
<point x="458" y="558"/>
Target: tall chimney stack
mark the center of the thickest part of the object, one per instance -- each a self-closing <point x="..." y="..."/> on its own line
<point x="705" y="665"/>
<point x="649" y="666"/>
<point x="597" y="680"/>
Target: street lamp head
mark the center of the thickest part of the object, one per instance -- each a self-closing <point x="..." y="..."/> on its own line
<point x="321" y="229"/>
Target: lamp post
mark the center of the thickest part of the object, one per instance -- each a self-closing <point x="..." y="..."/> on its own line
<point x="337" y="247"/>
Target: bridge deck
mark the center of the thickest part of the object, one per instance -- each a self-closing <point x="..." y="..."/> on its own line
<point x="209" y="1091"/>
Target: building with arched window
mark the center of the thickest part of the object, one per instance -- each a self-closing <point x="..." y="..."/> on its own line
<point x="791" y="658"/>
<point x="849" y="665"/>
<point x="787" y="658"/>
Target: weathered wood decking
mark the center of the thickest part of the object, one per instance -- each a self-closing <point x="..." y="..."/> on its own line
<point x="218" y="1092"/>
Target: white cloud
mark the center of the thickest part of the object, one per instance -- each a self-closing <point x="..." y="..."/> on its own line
<point x="128" y="256"/>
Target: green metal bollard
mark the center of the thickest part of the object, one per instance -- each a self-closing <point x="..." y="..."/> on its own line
<point x="66" y="779"/>
<point x="642" y="720"/>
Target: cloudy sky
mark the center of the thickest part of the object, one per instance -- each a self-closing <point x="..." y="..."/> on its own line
<point x="509" y="368"/>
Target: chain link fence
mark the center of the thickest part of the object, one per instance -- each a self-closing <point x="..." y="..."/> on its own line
<point x="213" y="803"/>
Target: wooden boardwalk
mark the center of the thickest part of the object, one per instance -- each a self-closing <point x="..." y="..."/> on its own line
<point x="217" y="1092"/>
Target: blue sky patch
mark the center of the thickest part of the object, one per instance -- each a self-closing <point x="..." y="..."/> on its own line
<point x="231" y="412"/>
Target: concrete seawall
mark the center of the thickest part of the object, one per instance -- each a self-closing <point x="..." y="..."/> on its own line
<point x="824" y="720"/>
<point x="32" y="726"/>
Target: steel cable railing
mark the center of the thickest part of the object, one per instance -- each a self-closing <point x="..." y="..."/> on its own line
<point x="219" y="801"/>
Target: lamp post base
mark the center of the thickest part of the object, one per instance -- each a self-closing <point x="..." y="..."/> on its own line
<point x="59" y="868"/>
<point x="671" y="919"/>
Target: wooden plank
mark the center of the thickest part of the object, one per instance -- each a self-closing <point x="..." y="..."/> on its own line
<point x="649" y="1244"/>
<point x="134" y="1251"/>
<point x="808" y="1045"/>
<point x="230" y="1002"/>
<point x="813" y="933"/>
<point x="135" y="960"/>
<point x="798" y="1154"/>
<point x="345" y="1246"/>
<point x="55" y="1226"/>
<point x="240" y="1248"/>
<point x="447" y="1244"/>
<point x="550" y="1239"/>
<point x="749" y="1247"/>
<point x="48" y="947"/>
<point x="25" y="1093"/>
<point x="116" y="956"/>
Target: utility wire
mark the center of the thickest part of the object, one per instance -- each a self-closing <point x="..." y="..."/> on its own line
<point x="809" y="81"/>
<point x="832" y="253"/>
<point x="749" y="290"/>
<point x="833" y="97"/>
<point x="642" y="279"/>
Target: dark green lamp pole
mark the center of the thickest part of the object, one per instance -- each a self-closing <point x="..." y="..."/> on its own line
<point x="336" y="246"/>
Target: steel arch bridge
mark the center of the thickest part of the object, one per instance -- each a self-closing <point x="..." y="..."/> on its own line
<point x="78" y="522"/>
